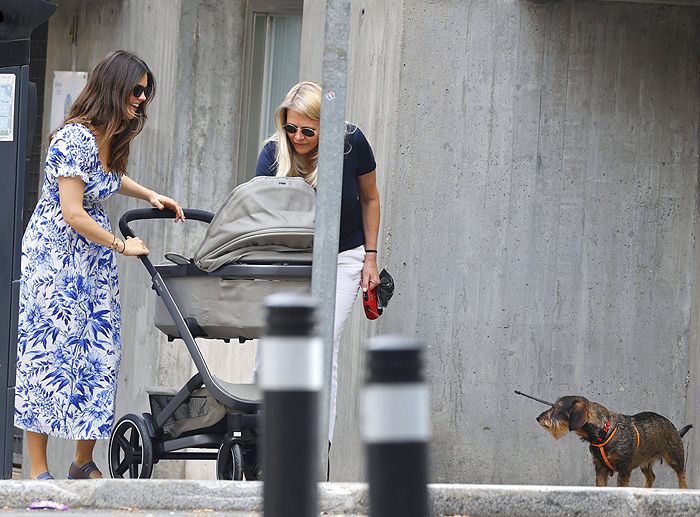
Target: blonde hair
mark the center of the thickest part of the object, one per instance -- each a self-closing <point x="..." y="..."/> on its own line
<point x="304" y="98"/>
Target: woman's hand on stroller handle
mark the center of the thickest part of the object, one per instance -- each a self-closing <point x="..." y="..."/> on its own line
<point x="133" y="247"/>
<point x="164" y="202"/>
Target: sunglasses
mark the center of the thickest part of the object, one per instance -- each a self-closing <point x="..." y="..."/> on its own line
<point x="292" y="130"/>
<point x="138" y="90"/>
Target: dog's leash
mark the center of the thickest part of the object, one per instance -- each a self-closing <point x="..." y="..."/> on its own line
<point x="533" y="398"/>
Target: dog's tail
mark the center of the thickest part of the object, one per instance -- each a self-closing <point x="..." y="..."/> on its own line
<point x="685" y="430"/>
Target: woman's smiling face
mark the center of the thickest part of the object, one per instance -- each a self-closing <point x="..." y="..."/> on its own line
<point x="134" y="100"/>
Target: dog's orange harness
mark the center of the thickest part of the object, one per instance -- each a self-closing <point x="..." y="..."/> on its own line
<point x="601" y="446"/>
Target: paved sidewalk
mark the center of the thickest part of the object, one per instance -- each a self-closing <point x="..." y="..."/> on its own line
<point x="163" y="498"/>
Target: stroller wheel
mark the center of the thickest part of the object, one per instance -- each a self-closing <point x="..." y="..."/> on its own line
<point x="130" y="449"/>
<point x="229" y="462"/>
<point x="252" y="469"/>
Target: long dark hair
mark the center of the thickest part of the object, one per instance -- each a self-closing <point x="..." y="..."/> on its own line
<point x="104" y="102"/>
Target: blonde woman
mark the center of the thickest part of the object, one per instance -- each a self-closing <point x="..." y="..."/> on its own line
<point x="293" y="151"/>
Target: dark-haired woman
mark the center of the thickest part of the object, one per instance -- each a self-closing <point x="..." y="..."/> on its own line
<point x="69" y="345"/>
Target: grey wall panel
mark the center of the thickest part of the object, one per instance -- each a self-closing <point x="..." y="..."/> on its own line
<point x="373" y="104"/>
<point x="539" y="216"/>
<point x="203" y="145"/>
<point x="693" y="400"/>
<point x="208" y="91"/>
<point x="312" y="34"/>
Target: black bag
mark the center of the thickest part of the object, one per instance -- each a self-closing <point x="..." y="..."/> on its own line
<point x="374" y="301"/>
<point x="385" y="289"/>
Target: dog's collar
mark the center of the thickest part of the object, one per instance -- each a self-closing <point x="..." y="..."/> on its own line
<point x="607" y="440"/>
<point x="598" y="433"/>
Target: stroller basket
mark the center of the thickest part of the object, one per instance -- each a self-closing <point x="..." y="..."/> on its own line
<point x="200" y="411"/>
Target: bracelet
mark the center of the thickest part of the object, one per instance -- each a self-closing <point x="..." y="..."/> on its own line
<point x="123" y="247"/>
<point x="113" y="246"/>
<point x="370" y="251"/>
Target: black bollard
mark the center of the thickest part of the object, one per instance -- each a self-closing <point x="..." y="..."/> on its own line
<point x="291" y="378"/>
<point x="396" y="427"/>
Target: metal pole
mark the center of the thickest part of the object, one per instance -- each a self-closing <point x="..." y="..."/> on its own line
<point x="396" y="427"/>
<point x="291" y="377"/>
<point x="329" y="189"/>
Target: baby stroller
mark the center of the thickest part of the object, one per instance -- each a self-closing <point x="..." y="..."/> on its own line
<point x="258" y="243"/>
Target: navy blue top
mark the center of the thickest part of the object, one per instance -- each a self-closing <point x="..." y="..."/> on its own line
<point x="358" y="160"/>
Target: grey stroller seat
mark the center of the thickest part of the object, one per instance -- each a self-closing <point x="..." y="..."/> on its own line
<point x="259" y="242"/>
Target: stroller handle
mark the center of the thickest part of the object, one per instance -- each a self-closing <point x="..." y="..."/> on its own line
<point x="153" y="213"/>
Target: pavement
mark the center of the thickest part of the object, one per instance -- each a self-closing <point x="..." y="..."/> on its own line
<point x="164" y="498"/>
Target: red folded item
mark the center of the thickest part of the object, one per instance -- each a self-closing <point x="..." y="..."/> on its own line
<point x="369" y="303"/>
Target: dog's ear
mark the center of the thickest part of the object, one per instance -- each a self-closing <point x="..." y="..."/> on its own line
<point x="577" y="416"/>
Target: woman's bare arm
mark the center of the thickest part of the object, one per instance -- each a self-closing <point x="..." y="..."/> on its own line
<point x="71" y="191"/>
<point x="369" y="203"/>
<point x="132" y="189"/>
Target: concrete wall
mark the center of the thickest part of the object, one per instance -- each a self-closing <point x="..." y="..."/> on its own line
<point x="539" y="201"/>
<point x="538" y="166"/>
<point x="205" y="151"/>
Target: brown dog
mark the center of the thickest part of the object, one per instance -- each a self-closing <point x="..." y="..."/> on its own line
<point x="619" y="443"/>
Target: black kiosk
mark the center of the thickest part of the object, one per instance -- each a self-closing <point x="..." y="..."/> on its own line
<point x="18" y="18"/>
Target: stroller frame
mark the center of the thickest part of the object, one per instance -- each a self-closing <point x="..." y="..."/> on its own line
<point x="137" y="442"/>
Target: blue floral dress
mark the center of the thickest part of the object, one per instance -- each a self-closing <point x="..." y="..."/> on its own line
<point x="69" y="345"/>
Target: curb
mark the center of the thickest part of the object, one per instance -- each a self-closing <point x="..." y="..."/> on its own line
<point x="352" y="498"/>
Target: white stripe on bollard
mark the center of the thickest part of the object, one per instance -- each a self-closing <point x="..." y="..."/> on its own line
<point x="396" y="413"/>
<point x="291" y="363"/>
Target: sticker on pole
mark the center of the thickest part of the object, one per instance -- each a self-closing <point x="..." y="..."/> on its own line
<point x="330" y="95"/>
<point x="7" y="107"/>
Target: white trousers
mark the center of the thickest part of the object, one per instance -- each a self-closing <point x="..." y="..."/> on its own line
<point x="348" y="282"/>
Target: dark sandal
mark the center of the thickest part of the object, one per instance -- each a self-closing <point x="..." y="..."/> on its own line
<point x="44" y="476"/>
<point x="77" y="472"/>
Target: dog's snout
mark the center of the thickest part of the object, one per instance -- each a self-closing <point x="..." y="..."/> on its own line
<point x="544" y="419"/>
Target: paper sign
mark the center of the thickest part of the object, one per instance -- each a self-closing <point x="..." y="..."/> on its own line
<point x="66" y="87"/>
<point x="7" y="107"/>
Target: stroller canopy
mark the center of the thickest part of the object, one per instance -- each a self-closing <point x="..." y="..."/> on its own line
<point x="265" y="220"/>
